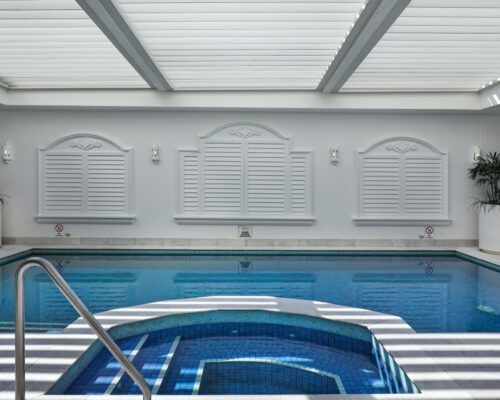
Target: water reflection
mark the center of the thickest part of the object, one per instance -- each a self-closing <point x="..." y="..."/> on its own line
<point x="433" y="294"/>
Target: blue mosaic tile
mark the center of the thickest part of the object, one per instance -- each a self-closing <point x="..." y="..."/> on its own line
<point x="240" y="358"/>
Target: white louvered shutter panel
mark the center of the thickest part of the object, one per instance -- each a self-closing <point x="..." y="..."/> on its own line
<point x="190" y="181"/>
<point x="266" y="177"/>
<point x="403" y="181"/>
<point x="300" y="183"/>
<point x="107" y="184"/>
<point x="424" y="185"/>
<point x="380" y="185"/>
<point x="62" y="180"/>
<point x="245" y="173"/>
<point x="223" y="177"/>
<point x="85" y="178"/>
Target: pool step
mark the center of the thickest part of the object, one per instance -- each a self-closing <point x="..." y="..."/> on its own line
<point x="153" y="361"/>
<point x="120" y="373"/>
<point x="164" y="367"/>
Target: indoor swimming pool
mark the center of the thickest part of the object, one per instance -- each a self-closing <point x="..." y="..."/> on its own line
<point x="432" y="292"/>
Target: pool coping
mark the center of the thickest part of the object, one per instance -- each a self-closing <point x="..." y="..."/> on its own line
<point x="395" y="335"/>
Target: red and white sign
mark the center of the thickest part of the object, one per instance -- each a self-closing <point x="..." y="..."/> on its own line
<point x="59" y="228"/>
<point x="429" y="232"/>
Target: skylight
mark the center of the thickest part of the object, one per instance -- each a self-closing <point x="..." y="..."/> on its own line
<point x="241" y="44"/>
<point x="449" y="45"/>
<point x="54" y="44"/>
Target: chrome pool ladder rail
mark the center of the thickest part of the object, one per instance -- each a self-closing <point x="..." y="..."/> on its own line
<point x="80" y="307"/>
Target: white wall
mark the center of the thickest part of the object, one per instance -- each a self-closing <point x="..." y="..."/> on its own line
<point x="155" y="185"/>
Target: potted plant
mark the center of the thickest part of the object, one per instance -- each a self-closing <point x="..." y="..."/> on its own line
<point x="486" y="174"/>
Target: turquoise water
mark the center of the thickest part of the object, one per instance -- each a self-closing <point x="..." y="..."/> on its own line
<point x="432" y="293"/>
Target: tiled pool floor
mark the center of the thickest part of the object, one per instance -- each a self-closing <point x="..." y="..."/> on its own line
<point x="237" y="358"/>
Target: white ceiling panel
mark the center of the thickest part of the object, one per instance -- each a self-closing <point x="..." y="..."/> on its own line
<point x="446" y="45"/>
<point x="241" y="44"/>
<point x="53" y="44"/>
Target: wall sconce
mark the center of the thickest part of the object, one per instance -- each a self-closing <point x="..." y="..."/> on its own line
<point x="7" y="153"/>
<point x="334" y="155"/>
<point x="155" y="153"/>
<point x="476" y="154"/>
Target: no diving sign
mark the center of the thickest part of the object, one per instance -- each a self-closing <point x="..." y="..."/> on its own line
<point x="429" y="232"/>
<point x="59" y="231"/>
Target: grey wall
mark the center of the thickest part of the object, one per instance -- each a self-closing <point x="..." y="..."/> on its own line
<point x="155" y="185"/>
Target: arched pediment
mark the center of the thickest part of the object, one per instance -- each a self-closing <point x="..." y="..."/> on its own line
<point x="244" y="130"/>
<point x="402" y="145"/>
<point x="84" y="142"/>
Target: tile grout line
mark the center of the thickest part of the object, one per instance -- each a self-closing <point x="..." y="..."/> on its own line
<point x="120" y="373"/>
<point x="201" y="368"/>
<point x="165" y="365"/>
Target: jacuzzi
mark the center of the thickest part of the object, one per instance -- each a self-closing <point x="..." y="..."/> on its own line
<point x="232" y="352"/>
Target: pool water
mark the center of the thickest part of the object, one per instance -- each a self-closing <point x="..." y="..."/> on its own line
<point x="238" y="358"/>
<point x="432" y="292"/>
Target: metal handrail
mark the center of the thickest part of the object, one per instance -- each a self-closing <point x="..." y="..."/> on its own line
<point x="78" y="305"/>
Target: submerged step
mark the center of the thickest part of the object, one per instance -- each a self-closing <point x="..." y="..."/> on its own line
<point x="120" y="373"/>
<point x="152" y="362"/>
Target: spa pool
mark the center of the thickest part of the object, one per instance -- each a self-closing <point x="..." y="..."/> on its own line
<point x="241" y="352"/>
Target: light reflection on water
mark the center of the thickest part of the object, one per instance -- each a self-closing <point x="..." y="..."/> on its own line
<point x="432" y="293"/>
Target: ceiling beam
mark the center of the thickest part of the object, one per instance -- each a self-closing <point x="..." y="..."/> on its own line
<point x="374" y="20"/>
<point x="490" y="96"/>
<point x="4" y="85"/>
<point x="108" y="18"/>
<point x="279" y="101"/>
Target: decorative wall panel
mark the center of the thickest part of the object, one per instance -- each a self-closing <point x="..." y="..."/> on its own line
<point x="402" y="181"/>
<point x="245" y="173"/>
<point x="85" y="178"/>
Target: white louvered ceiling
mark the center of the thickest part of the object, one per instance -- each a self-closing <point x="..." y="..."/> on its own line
<point x="54" y="44"/>
<point x="447" y="45"/>
<point x="241" y="44"/>
<point x="435" y="45"/>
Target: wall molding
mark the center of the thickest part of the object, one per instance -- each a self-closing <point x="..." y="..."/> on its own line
<point x="361" y="221"/>
<point x="224" y="220"/>
<point x="126" y="219"/>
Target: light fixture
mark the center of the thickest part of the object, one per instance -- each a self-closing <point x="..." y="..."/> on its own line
<point x="476" y="154"/>
<point x="7" y="153"/>
<point x="155" y="153"/>
<point x="334" y="155"/>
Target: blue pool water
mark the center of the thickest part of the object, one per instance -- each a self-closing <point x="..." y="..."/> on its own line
<point x="432" y="292"/>
<point x="238" y="358"/>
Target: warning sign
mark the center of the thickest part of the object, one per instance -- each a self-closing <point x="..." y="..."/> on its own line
<point x="60" y="232"/>
<point x="429" y="232"/>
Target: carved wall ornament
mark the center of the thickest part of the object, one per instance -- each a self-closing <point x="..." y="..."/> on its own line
<point x="244" y="132"/>
<point x="85" y="144"/>
<point x="402" y="147"/>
